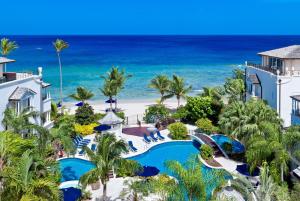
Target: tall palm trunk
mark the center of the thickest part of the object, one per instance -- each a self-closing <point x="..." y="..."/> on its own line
<point x="110" y="103"/>
<point x="104" y="191"/>
<point x="61" y="81"/>
<point x="178" y="101"/>
<point x="282" y="173"/>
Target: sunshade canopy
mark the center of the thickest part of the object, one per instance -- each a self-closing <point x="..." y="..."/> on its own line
<point x="110" y="119"/>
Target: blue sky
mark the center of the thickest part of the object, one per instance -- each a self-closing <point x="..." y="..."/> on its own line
<point x="150" y="17"/>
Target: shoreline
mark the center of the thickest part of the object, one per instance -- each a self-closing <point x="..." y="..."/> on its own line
<point x="129" y="107"/>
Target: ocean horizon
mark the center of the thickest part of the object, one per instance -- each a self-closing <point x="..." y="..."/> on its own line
<point x="203" y="60"/>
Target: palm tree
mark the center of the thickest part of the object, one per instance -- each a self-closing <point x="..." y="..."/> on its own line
<point x="161" y="83"/>
<point x="136" y="189"/>
<point x="164" y="186"/>
<point x="268" y="146"/>
<point x="19" y="123"/>
<point x="114" y="80"/>
<point x="23" y="183"/>
<point x="7" y="47"/>
<point x="110" y="90"/>
<point x="178" y="89"/>
<point x="106" y="158"/>
<point x="60" y="45"/>
<point x="82" y="94"/>
<point x="242" y="120"/>
<point x="191" y="180"/>
<point x="235" y="88"/>
<point x="267" y="189"/>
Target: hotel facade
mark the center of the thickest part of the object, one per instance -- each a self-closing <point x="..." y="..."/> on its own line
<point x="20" y="91"/>
<point x="277" y="81"/>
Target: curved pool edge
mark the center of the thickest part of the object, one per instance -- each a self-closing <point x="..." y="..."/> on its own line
<point x="155" y="145"/>
<point x="69" y="184"/>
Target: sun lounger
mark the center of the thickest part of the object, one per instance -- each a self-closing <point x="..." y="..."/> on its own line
<point x="93" y="148"/>
<point x="131" y="146"/>
<point x="153" y="137"/>
<point x="81" y="152"/>
<point x="146" y="139"/>
<point x="84" y="140"/>
<point x="160" y="136"/>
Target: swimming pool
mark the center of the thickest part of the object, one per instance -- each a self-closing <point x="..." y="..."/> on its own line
<point x="237" y="147"/>
<point x="74" y="168"/>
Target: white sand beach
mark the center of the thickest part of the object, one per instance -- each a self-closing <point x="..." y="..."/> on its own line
<point x="129" y="107"/>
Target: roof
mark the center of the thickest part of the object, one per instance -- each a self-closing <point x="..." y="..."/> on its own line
<point x="5" y="60"/>
<point x="20" y="92"/>
<point x="254" y="79"/>
<point x="289" y="52"/>
<point x="110" y="119"/>
<point x="296" y="97"/>
<point x="44" y="84"/>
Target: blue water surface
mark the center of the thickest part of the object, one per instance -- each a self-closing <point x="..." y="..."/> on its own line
<point x="201" y="60"/>
<point x="74" y="168"/>
<point x="237" y="147"/>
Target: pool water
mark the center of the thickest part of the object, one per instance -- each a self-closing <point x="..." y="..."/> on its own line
<point x="74" y="168"/>
<point x="181" y="151"/>
<point x="237" y="147"/>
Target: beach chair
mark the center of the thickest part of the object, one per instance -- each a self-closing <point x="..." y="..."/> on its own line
<point x="93" y="147"/>
<point x="153" y="137"/>
<point x="131" y="146"/>
<point x="83" y="140"/>
<point x="146" y="139"/>
<point x="81" y="152"/>
<point x="160" y="136"/>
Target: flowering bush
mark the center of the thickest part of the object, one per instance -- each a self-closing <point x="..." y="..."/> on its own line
<point x="85" y="129"/>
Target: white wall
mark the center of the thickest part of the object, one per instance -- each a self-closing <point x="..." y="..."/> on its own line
<point x="6" y="89"/>
<point x="290" y="85"/>
<point x="268" y="83"/>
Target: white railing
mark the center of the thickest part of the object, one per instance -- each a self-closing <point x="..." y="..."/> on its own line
<point x="20" y="76"/>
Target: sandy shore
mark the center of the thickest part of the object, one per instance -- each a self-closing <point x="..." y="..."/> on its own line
<point x="130" y="107"/>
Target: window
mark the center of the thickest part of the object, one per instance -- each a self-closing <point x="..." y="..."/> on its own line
<point x="275" y="63"/>
<point x="296" y="107"/>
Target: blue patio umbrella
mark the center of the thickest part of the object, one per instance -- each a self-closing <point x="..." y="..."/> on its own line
<point x="102" y="127"/>
<point x="244" y="169"/>
<point x="111" y="101"/>
<point x="148" y="171"/>
<point x="71" y="194"/>
<point x="79" y="104"/>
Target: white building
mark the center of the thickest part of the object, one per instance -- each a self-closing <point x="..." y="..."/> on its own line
<point x="24" y="90"/>
<point x="277" y="80"/>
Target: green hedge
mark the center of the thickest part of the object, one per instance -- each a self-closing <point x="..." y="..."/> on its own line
<point x="178" y="131"/>
<point x="206" y="152"/>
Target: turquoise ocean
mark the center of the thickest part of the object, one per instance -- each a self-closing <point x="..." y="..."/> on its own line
<point x="201" y="60"/>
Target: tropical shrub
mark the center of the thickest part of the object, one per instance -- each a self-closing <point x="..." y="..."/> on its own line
<point x="181" y="113"/>
<point x="198" y="107"/>
<point x="156" y="113"/>
<point x="205" y="125"/>
<point x="206" y="152"/>
<point x="121" y="115"/>
<point x="84" y="115"/>
<point x="227" y="147"/>
<point x="178" y="131"/>
<point x="85" y="129"/>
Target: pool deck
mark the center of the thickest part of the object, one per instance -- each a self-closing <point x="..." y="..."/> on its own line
<point x="116" y="185"/>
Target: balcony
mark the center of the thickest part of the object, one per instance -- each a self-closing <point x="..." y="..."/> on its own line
<point x="265" y="68"/>
<point x="12" y="76"/>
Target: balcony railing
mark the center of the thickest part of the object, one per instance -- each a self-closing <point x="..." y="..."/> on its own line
<point x="11" y="76"/>
<point x="265" y="68"/>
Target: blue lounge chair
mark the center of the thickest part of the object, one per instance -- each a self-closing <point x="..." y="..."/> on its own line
<point x="153" y="137"/>
<point x="78" y="143"/>
<point x="81" y="152"/>
<point x="83" y="140"/>
<point x="131" y="146"/>
<point x="160" y="136"/>
<point x="146" y="139"/>
<point x="93" y="148"/>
